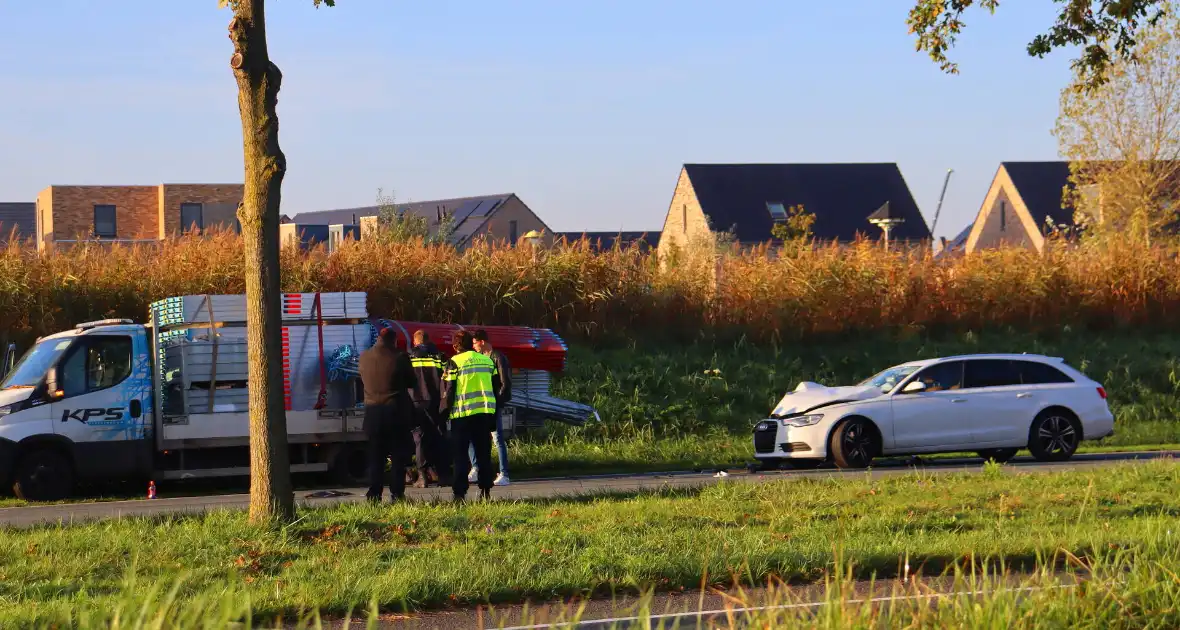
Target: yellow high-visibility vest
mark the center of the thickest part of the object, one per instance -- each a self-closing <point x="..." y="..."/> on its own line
<point x="472" y="377"/>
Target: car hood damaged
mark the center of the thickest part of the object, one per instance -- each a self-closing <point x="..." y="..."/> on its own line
<point x="810" y="396"/>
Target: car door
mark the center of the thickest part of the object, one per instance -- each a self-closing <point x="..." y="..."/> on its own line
<point x="934" y="418"/>
<point x="1001" y="407"/>
<point x="98" y="407"/>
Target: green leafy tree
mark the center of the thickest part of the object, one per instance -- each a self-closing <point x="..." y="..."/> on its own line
<point x="1105" y="30"/>
<point x="272" y="498"/>
<point x="797" y="226"/>
<point x="397" y="225"/>
<point x="1123" y="141"/>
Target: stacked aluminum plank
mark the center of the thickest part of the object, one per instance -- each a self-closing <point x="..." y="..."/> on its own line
<point x="530" y="390"/>
<point x="195" y="309"/>
<point x="196" y="356"/>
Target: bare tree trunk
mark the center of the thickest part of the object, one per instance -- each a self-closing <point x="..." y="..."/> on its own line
<point x="271" y="495"/>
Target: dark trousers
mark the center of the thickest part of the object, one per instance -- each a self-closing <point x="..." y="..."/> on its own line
<point x="474" y="431"/>
<point x="388" y="430"/>
<point x="430" y="441"/>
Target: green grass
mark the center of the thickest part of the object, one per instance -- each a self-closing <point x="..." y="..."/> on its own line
<point x="417" y="555"/>
<point x="688" y="406"/>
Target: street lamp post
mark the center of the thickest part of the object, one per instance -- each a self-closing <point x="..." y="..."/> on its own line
<point x="533" y="238"/>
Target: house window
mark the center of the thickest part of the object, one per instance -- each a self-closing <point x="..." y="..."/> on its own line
<point x="104" y="221"/>
<point x="1003" y="216"/>
<point x="191" y="217"/>
<point x="778" y="212"/>
<point x="512" y="232"/>
<point x="684" y="218"/>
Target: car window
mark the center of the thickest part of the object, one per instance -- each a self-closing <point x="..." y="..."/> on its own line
<point x="991" y="373"/>
<point x="1035" y="373"/>
<point x="95" y="363"/>
<point x="888" y="379"/>
<point x="942" y="376"/>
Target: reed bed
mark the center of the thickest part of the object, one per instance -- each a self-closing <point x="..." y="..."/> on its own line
<point x="624" y="293"/>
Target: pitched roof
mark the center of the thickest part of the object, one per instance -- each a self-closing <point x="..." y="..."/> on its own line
<point x="469" y="213"/>
<point x="956" y="244"/>
<point x="1041" y="185"/>
<point x="602" y="241"/>
<point x="841" y="196"/>
<point x="20" y="215"/>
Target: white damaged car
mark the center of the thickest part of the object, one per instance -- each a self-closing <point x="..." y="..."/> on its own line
<point x="993" y="405"/>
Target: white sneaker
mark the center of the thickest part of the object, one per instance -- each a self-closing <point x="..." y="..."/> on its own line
<point x="473" y="476"/>
<point x="502" y="480"/>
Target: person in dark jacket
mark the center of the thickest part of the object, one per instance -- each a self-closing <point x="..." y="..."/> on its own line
<point x="387" y="376"/>
<point x="430" y="448"/>
<point x="483" y="345"/>
<point x="470" y="382"/>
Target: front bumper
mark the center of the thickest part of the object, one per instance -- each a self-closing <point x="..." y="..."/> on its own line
<point x="780" y="442"/>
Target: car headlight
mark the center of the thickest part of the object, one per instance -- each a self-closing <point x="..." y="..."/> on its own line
<point x="7" y="409"/>
<point x="803" y="421"/>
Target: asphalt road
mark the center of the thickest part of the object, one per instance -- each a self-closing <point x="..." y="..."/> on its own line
<point x="601" y="484"/>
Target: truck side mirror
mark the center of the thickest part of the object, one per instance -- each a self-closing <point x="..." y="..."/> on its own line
<point x="51" y="387"/>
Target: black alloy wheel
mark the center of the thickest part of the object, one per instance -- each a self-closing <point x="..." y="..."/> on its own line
<point x="854" y="444"/>
<point x="1054" y="436"/>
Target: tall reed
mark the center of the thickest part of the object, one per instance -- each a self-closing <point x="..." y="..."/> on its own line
<point x="853" y="289"/>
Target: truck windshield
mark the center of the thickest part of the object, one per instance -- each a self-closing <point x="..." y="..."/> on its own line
<point x="32" y="367"/>
<point x="890" y="378"/>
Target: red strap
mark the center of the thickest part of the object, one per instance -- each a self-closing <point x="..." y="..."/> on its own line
<point x="322" y="400"/>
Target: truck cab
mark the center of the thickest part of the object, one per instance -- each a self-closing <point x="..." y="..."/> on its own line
<point x="77" y="405"/>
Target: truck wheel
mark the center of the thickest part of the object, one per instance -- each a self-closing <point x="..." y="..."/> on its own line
<point x="350" y="466"/>
<point x="43" y="476"/>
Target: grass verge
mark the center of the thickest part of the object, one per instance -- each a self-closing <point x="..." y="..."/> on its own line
<point x="419" y="556"/>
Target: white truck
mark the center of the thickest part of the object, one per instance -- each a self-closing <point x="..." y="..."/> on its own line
<point x="112" y="400"/>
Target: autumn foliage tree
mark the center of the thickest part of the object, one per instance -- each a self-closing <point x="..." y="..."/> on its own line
<point x="271" y="495"/>
<point x="1105" y="30"/>
<point x="1123" y="140"/>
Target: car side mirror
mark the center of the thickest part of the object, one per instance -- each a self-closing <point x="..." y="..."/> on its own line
<point x="51" y="389"/>
<point x="914" y="387"/>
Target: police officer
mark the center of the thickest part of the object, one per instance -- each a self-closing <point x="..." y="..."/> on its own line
<point x="470" y="382"/>
<point x="388" y="377"/>
<point x="430" y="448"/>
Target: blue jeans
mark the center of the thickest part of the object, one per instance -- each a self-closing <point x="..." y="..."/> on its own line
<point x="501" y="446"/>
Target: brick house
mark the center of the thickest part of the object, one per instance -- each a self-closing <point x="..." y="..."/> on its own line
<point x="750" y="199"/>
<point x="1023" y="200"/>
<point x="67" y="214"/>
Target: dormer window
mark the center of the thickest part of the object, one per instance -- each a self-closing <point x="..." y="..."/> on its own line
<point x="778" y="212"/>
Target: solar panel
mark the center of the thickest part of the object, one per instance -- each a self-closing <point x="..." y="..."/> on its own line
<point x="464" y="211"/>
<point x="485" y="207"/>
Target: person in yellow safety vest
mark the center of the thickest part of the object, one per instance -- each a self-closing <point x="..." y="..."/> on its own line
<point x="470" y="383"/>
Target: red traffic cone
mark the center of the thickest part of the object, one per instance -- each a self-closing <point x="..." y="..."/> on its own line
<point x="151" y="489"/>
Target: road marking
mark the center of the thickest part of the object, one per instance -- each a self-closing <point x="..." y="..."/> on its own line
<point x="751" y="609"/>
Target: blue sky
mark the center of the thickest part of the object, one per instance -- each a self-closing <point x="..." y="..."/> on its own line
<point x="584" y="109"/>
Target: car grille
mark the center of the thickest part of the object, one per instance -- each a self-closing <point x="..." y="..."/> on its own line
<point x="795" y="447"/>
<point x="764" y="439"/>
